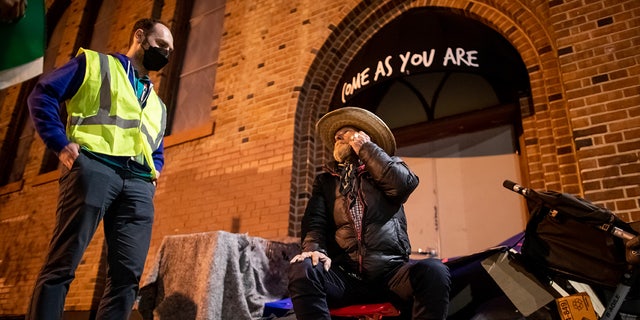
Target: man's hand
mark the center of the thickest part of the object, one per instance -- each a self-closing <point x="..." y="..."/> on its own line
<point x="315" y="256"/>
<point x="12" y="10"/>
<point x="69" y="154"/>
<point x="633" y="251"/>
<point x="357" y="140"/>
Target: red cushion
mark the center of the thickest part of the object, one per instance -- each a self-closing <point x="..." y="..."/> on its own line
<point x="358" y="310"/>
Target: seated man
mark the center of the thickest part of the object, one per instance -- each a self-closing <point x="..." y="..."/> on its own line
<point x="354" y="231"/>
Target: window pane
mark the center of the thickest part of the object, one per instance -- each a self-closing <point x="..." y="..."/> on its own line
<point x="464" y="92"/>
<point x="199" y="67"/>
<point x="194" y="99"/>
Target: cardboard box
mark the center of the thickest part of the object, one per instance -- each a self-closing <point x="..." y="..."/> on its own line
<point x="576" y="307"/>
<point x="521" y="287"/>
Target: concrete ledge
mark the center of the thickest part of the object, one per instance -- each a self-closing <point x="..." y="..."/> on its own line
<point x="12" y="187"/>
<point x="46" y="178"/>
<point x="198" y="132"/>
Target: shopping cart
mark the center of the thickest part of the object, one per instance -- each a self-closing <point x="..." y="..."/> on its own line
<point x="570" y="238"/>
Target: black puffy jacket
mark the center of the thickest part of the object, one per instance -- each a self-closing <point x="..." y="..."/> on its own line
<point x="327" y="225"/>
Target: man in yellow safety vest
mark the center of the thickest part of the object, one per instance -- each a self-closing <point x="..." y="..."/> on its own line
<point x="111" y="151"/>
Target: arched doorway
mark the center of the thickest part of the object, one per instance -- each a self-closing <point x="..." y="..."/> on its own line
<point x="325" y="81"/>
<point x="449" y="87"/>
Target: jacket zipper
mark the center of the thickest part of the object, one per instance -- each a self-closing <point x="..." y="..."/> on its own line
<point x="360" y="245"/>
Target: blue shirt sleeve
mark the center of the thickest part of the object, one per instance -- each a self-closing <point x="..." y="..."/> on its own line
<point x="48" y="97"/>
<point x="158" y="156"/>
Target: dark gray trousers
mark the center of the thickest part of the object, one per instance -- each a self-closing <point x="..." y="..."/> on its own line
<point x="92" y="192"/>
<point x="420" y="288"/>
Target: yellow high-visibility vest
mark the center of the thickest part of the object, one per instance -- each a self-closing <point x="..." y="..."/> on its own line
<point x="105" y="115"/>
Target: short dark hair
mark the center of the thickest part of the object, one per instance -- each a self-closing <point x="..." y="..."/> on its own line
<point x="146" y="24"/>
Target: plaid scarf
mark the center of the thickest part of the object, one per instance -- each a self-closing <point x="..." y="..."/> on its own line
<point x="350" y="188"/>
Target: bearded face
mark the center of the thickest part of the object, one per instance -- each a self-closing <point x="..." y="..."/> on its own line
<point x="342" y="151"/>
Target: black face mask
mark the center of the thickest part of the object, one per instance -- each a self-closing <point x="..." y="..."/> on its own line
<point x="154" y="58"/>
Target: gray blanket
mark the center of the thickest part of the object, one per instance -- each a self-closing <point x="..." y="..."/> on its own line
<point x="215" y="275"/>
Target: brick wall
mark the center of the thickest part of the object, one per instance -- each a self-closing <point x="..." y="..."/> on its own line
<point x="597" y="45"/>
<point x="278" y="65"/>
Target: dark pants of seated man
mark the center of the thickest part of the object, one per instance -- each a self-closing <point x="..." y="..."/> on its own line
<point x="420" y="288"/>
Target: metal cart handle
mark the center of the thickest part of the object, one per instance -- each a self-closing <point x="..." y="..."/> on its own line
<point x="525" y="192"/>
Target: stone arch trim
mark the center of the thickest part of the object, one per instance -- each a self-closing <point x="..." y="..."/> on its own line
<point x="548" y="145"/>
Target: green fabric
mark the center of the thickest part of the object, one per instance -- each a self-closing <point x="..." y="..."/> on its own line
<point x="23" y="41"/>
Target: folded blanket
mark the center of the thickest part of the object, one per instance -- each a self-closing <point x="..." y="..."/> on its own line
<point x="215" y="275"/>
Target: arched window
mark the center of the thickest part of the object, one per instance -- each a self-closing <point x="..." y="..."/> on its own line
<point x="430" y="66"/>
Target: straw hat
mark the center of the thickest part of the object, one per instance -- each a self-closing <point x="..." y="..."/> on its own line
<point x="358" y="118"/>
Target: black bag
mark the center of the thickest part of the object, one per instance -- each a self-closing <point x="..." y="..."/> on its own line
<point x="563" y="237"/>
